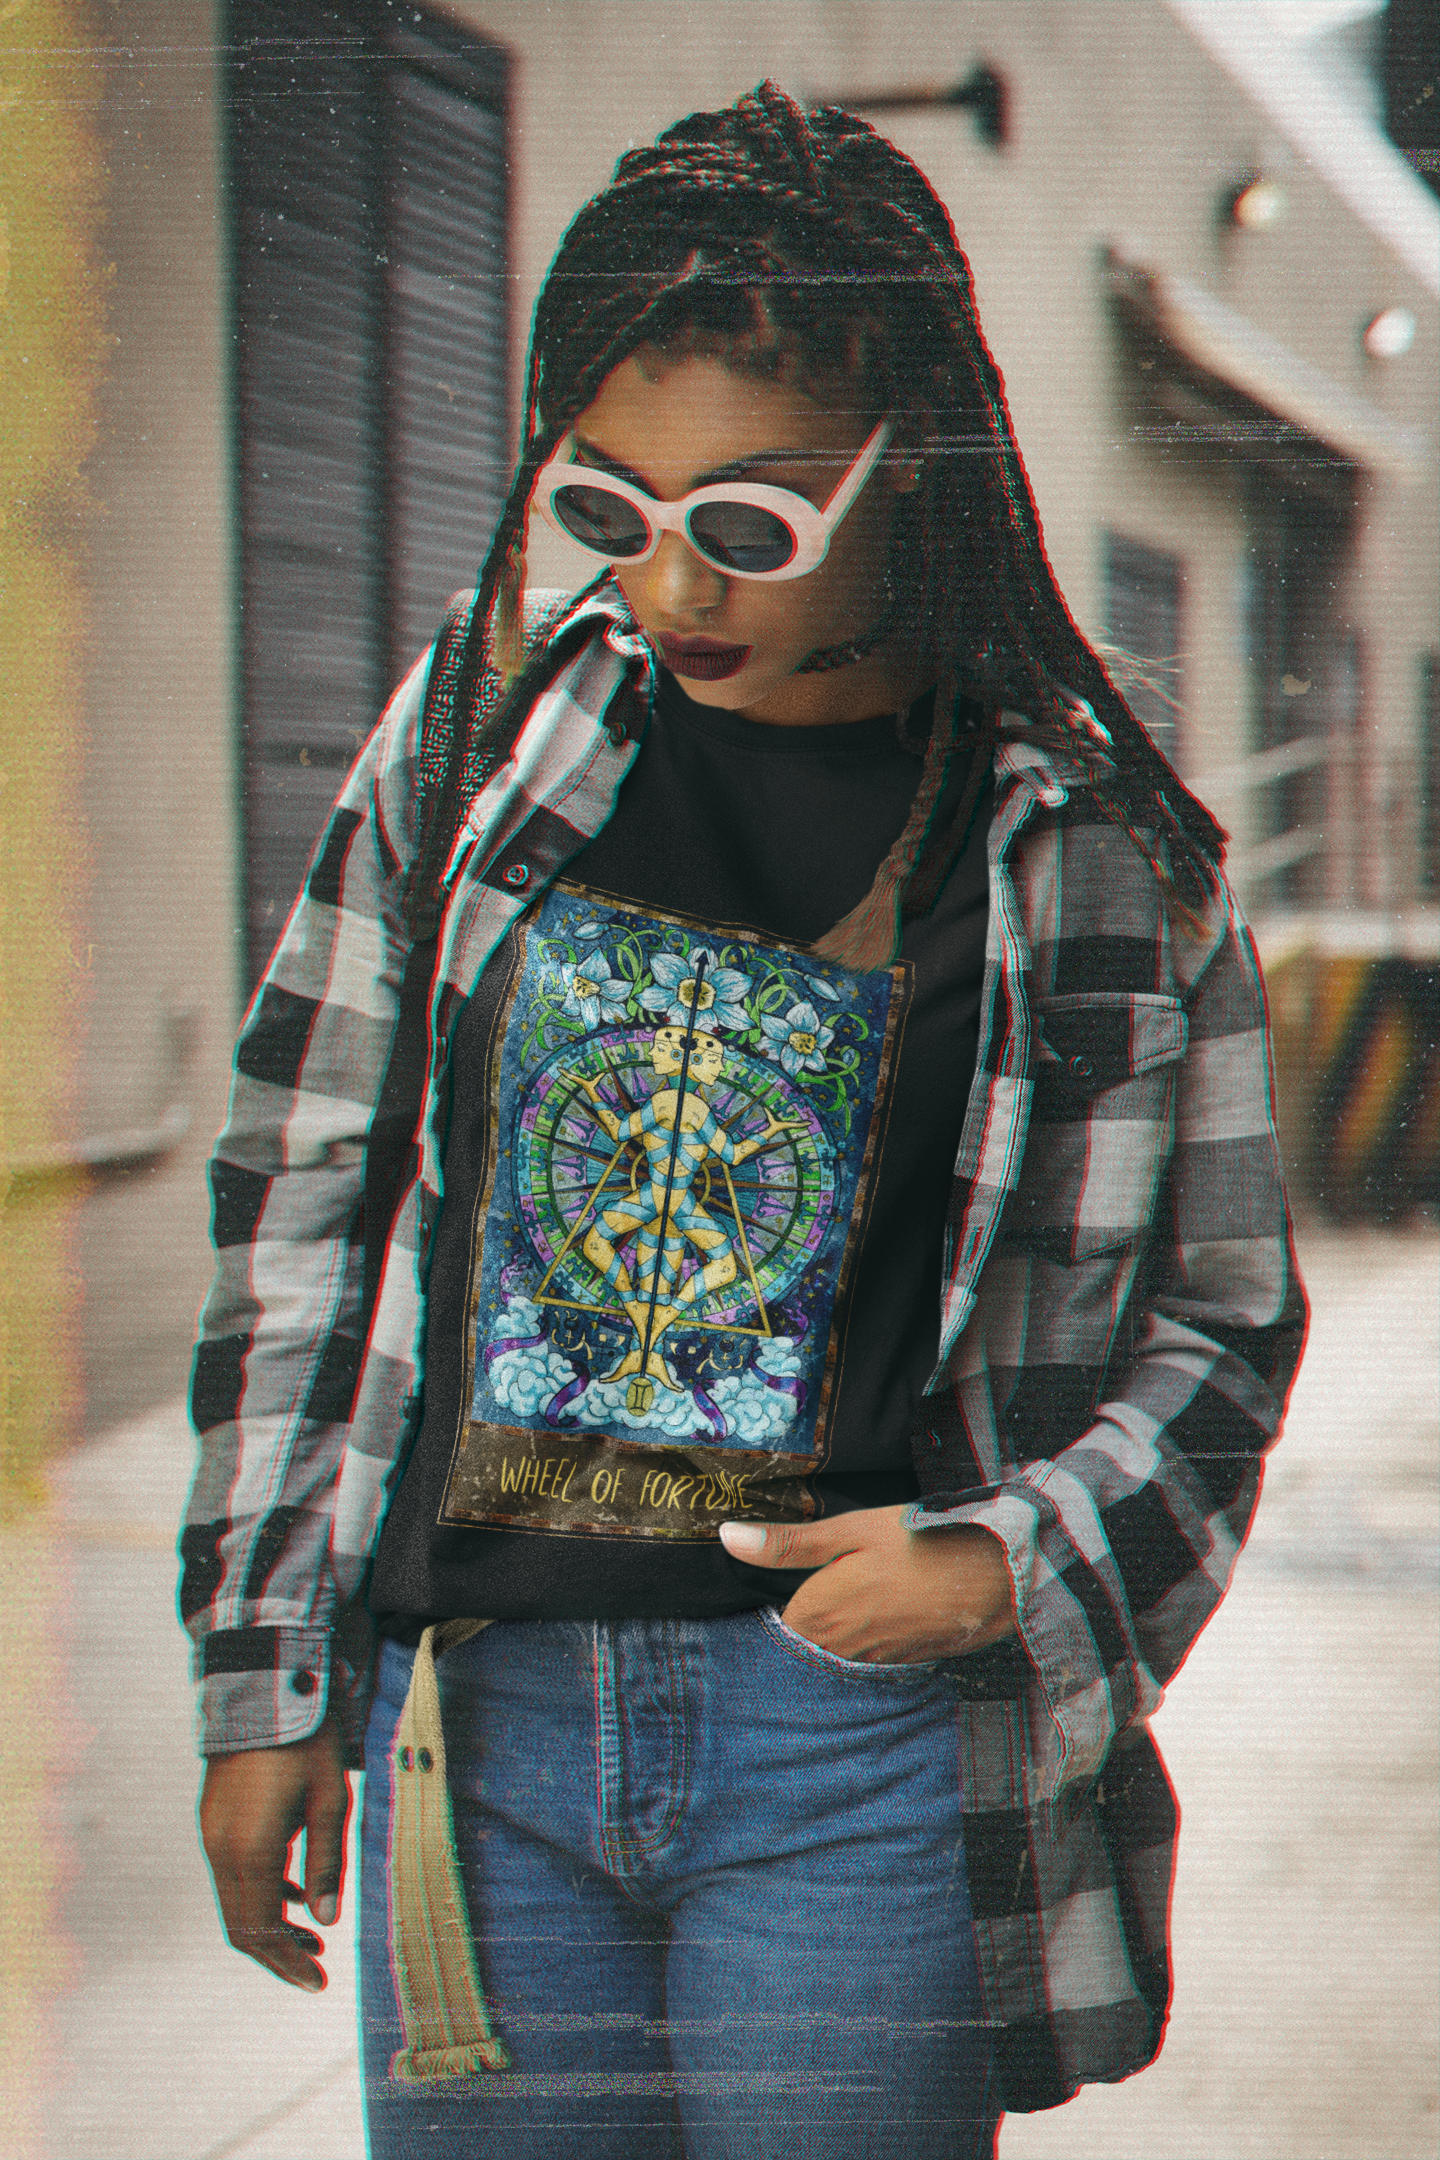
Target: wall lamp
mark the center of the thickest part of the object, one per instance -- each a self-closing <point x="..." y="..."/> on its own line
<point x="1389" y="334"/>
<point x="1255" y="204"/>
<point x="983" y="92"/>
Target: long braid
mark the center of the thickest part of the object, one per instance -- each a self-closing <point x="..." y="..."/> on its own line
<point x="491" y="664"/>
<point x="868" y="936"/>
<point x="478" y="690"/>
<point x="771" y="235"/>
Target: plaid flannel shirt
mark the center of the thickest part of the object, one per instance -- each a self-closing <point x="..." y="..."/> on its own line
<point x="1121" y="1321"/>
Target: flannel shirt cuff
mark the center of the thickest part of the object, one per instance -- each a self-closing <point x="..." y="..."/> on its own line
<point x="991" y="1508"/>
<point x="261" y="1687"/>
<point x="1076" y="1691"/>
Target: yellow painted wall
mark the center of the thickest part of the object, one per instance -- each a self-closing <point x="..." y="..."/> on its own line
<point x="52" y="348"/>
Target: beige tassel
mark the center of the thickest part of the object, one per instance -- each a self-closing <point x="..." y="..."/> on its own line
<point x="507" y="641"/>
<point x="442" y="2006"/>
<point x="869" y="936"/>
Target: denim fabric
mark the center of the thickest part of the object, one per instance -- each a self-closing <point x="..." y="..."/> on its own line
<point x="716" y="1876"/>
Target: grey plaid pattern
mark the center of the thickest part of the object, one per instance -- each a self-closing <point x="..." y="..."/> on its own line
<point x="1121" y="1322"/>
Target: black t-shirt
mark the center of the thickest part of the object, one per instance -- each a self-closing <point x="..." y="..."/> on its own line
<point x="688" y="1261"/>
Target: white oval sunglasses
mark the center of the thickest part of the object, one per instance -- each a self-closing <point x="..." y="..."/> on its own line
<point x="745" y="530"/>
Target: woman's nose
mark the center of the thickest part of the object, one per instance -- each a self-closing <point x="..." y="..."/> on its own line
<point x="681" y="582"/>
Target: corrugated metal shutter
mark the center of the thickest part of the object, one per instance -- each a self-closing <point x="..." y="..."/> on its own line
<point x="447" y="331"/>
<point x="367" y="164"/>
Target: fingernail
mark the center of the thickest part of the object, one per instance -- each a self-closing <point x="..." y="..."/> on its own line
<point x="742" y="1537"/>
<point x="325" y="1908"/>
<point x="313" y="1984"/>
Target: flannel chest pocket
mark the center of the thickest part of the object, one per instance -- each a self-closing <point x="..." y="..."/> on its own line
<point x="1094" y="1041"/>
<point x="1100" y="1124"/>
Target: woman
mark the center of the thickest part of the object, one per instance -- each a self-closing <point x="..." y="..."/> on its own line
<point x="751" y="1172"/>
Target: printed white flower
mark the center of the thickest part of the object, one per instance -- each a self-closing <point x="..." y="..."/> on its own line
<point x="798" y="1041"/>
<point x="673" y="991"/>
<point x="592" y="994"/>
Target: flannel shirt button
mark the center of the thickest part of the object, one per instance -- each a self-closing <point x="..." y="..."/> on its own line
<point x="617" y="732"/>
<point x="517" y="874"/>
<point x="304" y="1683"/>
<point x="425" y="1759"/>
<point x="1082" y="1068"/>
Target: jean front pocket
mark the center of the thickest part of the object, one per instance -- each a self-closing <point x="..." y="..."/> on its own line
<point x="805" y="1652"/>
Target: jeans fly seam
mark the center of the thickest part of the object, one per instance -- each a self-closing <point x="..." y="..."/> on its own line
<point x="624" y="1848"/>
<point x="607" y="1749"/>
<point x="678" y="1772"/>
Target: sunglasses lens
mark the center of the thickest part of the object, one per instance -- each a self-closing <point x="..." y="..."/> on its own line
<point x="740" y="536"/>
<point x="597" y="518"/>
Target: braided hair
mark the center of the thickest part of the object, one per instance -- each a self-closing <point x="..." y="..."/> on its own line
<point x="770" y="236"/>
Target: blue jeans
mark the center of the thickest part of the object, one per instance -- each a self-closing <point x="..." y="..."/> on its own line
<point x="717" y="1884"/>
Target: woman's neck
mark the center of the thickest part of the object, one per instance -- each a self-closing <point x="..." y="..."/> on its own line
<point x="882" y="682"/>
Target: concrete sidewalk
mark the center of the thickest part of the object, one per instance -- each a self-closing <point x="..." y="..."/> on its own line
<point x="1301" y="1738"/>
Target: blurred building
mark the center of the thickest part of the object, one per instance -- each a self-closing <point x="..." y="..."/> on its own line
<point x="1209" y="277"/>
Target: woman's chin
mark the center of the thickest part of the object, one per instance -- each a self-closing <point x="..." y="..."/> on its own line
<point x="758" y="678"/>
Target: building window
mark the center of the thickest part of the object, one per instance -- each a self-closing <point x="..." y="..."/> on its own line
<point x="1345" y="769"/>
<point x="1304" y="671"/>
<point x="1142" y="621"/>
<point x="1429" y="763"/>
<point x="367" y="172"/>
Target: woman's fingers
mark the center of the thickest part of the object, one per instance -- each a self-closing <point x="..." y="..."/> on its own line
<point x="251" y="1807"/>
<point x="250" y="1888"/>
<point x="326" y="1811"/>
<point x="882" y="1592"/>
<point x="800" y="1545"/>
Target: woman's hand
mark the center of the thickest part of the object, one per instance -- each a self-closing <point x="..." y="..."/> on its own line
<point x="884" y="1594"/>
<point x="251" y="1807"/>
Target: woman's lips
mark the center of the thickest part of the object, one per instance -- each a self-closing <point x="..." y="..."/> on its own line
<point x="703" y="659"/>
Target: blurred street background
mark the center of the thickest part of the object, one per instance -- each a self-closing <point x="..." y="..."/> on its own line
<point x="266" y="273"/>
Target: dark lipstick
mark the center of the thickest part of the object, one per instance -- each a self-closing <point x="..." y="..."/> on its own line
<point x="703" y="659"/>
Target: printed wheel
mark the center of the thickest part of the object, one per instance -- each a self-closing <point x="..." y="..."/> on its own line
<point x="775" y="1206"/>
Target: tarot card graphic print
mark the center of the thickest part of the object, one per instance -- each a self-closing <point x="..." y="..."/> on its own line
<point x="683" y="1131"/>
